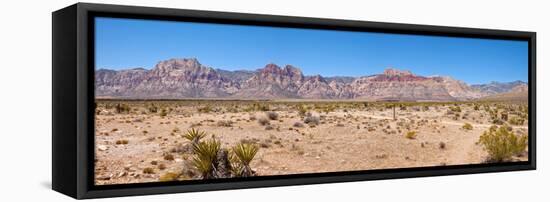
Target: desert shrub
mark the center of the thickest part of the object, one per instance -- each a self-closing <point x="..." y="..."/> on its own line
<point x="152" y="108"/>
<point x="425" y="108"/>
<point x="263" y="107"/>
<point x="311" y="120"/>
<point x="455" y="109"/>
<point x="502" y="144"/>
<point x="169" y="176"/>
<point x="516" y="121"/>
<point x="244" y="154"/>
<point x="467" y="126"/>
<point x="497" y="121"/>
<point x="223" y="123"/>
<point x="442" y="145"/>
<point x="476" y="107"/>
<point x="122" y="142"/>
<point x="148" y="170"/>
<point x="122" y="108"/>
<point x="268" y="127"/>
<point x="163" y="112"/>
<point x="205" y="109"/>
<point x="162" y="166"/>
<point x="504" y="116"/>
<point x="168" y="157"/>
<point x="257" y="107"/>
<point x="411" y="135"/>
<point x="302" y="110"/>
<point x="263" y="121"/>
<point x="272" y="115"/>
<point x="206" y="153"/>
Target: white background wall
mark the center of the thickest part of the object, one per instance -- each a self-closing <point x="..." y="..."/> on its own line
<point x="25" y="107"/>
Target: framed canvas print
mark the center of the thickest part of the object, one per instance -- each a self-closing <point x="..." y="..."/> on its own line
<point x="154" y="100"/>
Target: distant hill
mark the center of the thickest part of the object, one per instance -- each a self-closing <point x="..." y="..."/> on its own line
<point x="498" y="87"/>
<point x="187" y="78"/>
<point x="517" y="93"/>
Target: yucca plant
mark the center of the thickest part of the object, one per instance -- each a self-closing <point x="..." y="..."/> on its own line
<point x="501" y="143"/>
<point x="194" y="136"/>
<point x="205" y="158"/>
<point x="244" y="154"/>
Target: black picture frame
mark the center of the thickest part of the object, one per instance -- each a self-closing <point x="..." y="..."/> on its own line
<point x="73" y="100"/>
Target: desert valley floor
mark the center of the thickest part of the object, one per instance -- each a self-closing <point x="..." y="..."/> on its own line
<point x="136" y="144"/>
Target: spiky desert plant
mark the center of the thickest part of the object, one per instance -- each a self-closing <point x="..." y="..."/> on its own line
<point x="502" y="143"/>
<point x="244" y="153"/>
<point x="194" y="135"/>
<point x="205" y="157"/>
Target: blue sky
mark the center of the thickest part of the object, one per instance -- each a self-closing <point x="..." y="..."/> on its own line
<point x="129" y="43"/>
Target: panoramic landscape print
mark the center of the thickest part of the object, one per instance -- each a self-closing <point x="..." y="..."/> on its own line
<point x="179" y="101"/>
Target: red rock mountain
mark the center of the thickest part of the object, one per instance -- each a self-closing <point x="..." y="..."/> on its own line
<point x="187" y="78"/>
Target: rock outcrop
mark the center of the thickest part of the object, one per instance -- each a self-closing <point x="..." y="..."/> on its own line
<point x="187" y="78"/>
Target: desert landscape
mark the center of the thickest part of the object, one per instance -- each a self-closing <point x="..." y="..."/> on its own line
<point x="185" y="121"/>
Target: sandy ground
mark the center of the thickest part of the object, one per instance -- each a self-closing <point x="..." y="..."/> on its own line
<point x="345" y="140"/>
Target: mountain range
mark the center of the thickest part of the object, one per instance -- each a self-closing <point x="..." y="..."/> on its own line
<point x="187" y="78"/>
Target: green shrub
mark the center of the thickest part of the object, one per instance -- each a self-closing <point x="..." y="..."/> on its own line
<point x="497" y="121"/>
<point x="411" y="135"/>
<point x="205" y="109"/>
<point x="467" y="126"/>
<point x="169" y="176"/>
<point x="516" y="121"/>
<point x="504" y="116"/>
<point x="122" y="108"/>
<point x="502" y="144"/>
<point x="152" y="108"/>
<point x="455" y="109"/>
<point x="168" y="157"/>
<point x="302" y="110"/>
<point x="163" y="112"/>
<point x="263" y="108"/>
<point x="148" y="170"/>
